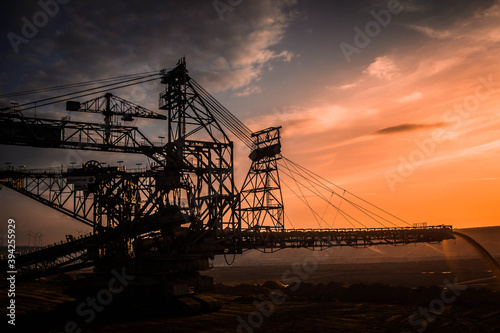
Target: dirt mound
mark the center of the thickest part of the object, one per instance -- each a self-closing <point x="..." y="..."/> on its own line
<point x="274" y="285"/>
<point x="251" y="290"/>
<point x="373" y="293"/>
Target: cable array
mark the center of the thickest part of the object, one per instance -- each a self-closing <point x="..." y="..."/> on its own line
<point x="224" y="116"/>
<point x="304" y="179"/>
<point x="122" y="82"/>
<point x="358" y="207"/>
<point x="74" y="85"/>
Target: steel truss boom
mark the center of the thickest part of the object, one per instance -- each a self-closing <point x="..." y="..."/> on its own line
<point x="320" y="239"/>
<point x="101" y="197"/>
<point x="111" y="105"/>
<point x="183" y="208"/>
<point x="49" y="133"/>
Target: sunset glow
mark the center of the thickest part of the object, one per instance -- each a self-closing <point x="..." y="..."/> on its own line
<point x="409" y="122"/>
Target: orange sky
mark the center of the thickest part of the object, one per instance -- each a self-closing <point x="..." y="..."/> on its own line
<point x="443" y="167"/>
<point x="410" y="124"/>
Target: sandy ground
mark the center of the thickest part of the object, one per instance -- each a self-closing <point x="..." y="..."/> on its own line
<point x="324" y="302"/>
<point x="470" y="272"/>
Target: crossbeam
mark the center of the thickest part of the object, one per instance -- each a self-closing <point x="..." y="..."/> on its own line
<point x="64" y="133"/>
<point x="319" y="239"/>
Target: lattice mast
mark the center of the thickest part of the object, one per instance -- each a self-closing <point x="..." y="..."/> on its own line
<point x="198" y="170"/>
<point x="261" y="201"/>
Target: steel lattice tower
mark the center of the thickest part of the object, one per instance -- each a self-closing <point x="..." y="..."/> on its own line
<point x="260" y="197"/>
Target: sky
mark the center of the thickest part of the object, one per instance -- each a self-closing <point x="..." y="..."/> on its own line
<point x="394" y="101"/>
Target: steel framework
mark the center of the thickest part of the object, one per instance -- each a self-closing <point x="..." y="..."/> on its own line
<point x="168" y="219"/>
<point x="261" y="201"/>
<point x="207" y="164"/>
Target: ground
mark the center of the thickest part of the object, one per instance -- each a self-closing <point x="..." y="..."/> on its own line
<point x="321" y="302"/>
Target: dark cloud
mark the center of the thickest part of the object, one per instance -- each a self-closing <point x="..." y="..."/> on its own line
<point x="446" y="13"/>
<point x="87" y="40"/>
<point x="409" y="128"/>
<point x="94" y="39"/>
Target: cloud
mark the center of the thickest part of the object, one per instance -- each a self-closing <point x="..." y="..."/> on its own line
<point x="413" y="8"/>
<point x="382" y="68"/>
<point x="409" y="128"/>
<point x="479" y="22"/>
<point x="415" y="96"/>
<point x="222" y="55"/>
<point x="248" y="91"/>
<point x="430" y="32"/>
<point x="344" y="86"/>
<point x="312" y="120"/>
<point x="286" y="56"/>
